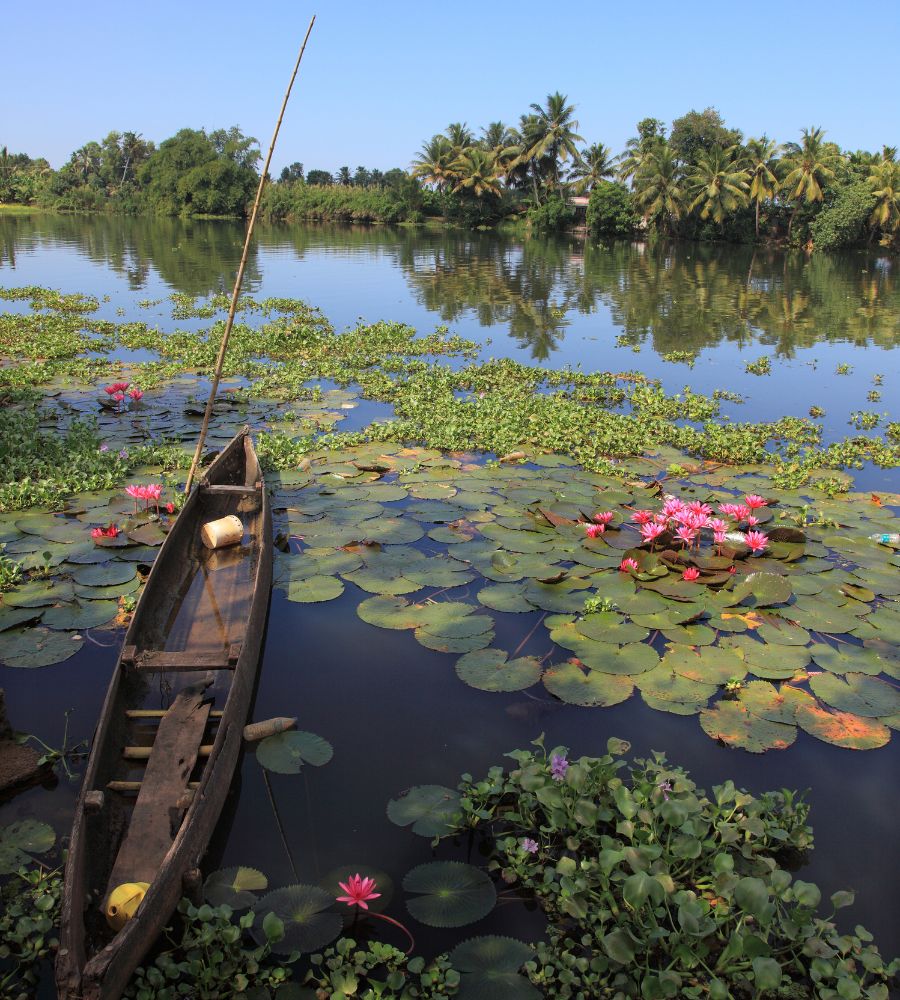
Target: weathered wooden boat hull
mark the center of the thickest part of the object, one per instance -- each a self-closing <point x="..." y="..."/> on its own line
<point x="86" y="967"/>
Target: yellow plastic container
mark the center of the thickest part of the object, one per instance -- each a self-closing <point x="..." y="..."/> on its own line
<point x="123" y="903"/>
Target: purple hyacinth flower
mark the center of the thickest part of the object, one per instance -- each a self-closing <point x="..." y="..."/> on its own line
<point x="529" y="845"/>
<point x="558" y="767"/>
<point x="665" y="787"/>
<point x="104" y="447"/>
<point x="123" y="453"/>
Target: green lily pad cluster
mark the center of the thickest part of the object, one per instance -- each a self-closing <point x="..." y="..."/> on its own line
<point x="758" y="646"/>
<point x="74" y="579"/>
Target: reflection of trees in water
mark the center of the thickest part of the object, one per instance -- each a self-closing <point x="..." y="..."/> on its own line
<point x="674" y="296"/>
<point x="677" y="297"/>
<point x="198" y="257"/>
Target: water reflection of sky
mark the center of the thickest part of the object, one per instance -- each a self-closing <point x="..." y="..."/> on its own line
<point x="553" y="303"/>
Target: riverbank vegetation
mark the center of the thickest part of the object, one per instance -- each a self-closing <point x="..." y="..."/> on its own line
<point x="698" y="179"/>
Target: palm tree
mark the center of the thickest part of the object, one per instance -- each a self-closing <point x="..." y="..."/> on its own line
<point x="476" y="170"/>
<point x="760" y="158"/>
<point x="885" y="184"/>
<point x="718" y="183"/>
<point x="550" y="136"/>
<point x="504" y="143"/>
<point x="593" y="165"/>
<point x="809" y="164"/>
<point x="343" y="177"/>
<point x="433" y="164"/>
<point x="460" y="136"/>
<point x="658" y="187"/>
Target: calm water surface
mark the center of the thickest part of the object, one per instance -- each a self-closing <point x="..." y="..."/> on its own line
<point x="395" y="712"/>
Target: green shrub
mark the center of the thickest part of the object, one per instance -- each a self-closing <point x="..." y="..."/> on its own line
<point x="843" y="223"/>
<point x="611" y="213"/>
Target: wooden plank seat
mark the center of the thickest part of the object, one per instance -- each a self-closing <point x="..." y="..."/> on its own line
<point x="226" y="489"/>
<point x="159" y="807"/>
<point x="158" y="659"/>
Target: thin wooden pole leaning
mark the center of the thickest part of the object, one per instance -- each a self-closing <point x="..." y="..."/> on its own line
<point x="223" y="347"/>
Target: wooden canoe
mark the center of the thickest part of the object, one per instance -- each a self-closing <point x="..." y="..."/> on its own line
<point x="180" y="695"/>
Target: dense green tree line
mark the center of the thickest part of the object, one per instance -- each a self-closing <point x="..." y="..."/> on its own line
<point x="700" y="179"/>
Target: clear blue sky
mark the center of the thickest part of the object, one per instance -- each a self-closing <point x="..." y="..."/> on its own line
<point x="378" y="78"/>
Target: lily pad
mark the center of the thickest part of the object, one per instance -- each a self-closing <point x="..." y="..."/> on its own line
<point x="81" y="614"/>
<point x="304" y="911"/>
<point x="507" y="597"/>
<point x="761" y="590"/>
<point x="847" y="659"/>
<point x="286" y="753"/>
<point x="489" y="967"/>
<point x="19" y="841"/>
<point x="491" y="670"/>
<point x="104" y="574"/>
<point x="39" y="594"/>
<point x="842" y="729"/>
<point x="37" y="647"/>
<point x="857" y="693"/>
<point x="734" y="725"/>
<point x="430" y="809"/>
<point x="576" y="685"/>
<point x="314" y="589"/>
<point x="451" y="893"/>
<point x="234" y="887"/>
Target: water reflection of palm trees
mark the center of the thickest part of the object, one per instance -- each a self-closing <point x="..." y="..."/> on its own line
<point x="668" y="296"/>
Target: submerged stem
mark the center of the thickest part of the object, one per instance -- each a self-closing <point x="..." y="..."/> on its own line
<point x="396" y="923"/>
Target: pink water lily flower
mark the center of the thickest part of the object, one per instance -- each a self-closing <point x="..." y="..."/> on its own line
<point x="604" y="517"/>
<point x="136" y="394"/>
<point x="686" y="534"/>
<point x="628" y="566"/>
<point x="753" y="501"/>
<point x="110" y="531"/>
<point x="756" y="541"/>
<point x="358" y="890"/>
<point x="729" y="509"/>
<point x="642" y="516"/>
<point x="594" y="530"/>
<point x="691" y="574"/>
<point x="650" y="532"/>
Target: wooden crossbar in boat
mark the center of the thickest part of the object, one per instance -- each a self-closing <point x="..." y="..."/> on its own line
<point x="158" y="659"/>
<point x="133" y="787"/>
<point x="157" y="713"/>
<point x="144" y="753"/>
<point x="227" y="489"/>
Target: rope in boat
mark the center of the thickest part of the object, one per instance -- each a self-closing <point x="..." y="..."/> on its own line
<point x="223" y="347"/>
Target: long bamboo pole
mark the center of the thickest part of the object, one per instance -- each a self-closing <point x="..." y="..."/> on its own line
<point x="223" y="347"/>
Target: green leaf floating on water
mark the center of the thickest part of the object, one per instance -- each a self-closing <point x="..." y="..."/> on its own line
<point x="309" y="924"/>
<point x="104" y="574"/>
<point x="451" y="894"/>
<point x="858" y="694"/>
<point x="842" y="729"/>
<point x="489" y="967"/>
<point x="761" y="590"/>
<point x="286" y="753"/>
<point x="81" y="614"/>
<point x="578" y="686"/>
<point x="10" y="617"/>
<point x="508" y="597"/>
<point x="39" y="593"/>
<point x="314" y="589"/>
<point x="847" y="659"/>
<point x="430" y="809"/>
<point x="735" y="726"/>
<point x="19" y="841"/>
<point x="491" y="670"/>
<point x="234" y="887"/>
<point x="37" y="647"/>
<point x="54" y="529"/>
